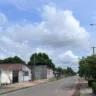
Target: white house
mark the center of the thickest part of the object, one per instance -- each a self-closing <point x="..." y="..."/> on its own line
<point x="14" y="73"/>
<point x="50" y="73"/>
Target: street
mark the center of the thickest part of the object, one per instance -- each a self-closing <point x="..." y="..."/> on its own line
<point x="62" y="87"/>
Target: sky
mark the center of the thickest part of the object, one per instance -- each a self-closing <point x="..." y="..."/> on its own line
<point x="60" y="28"/>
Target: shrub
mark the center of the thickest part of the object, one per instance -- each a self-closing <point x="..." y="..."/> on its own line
<point x="94" y="87"/>
<point x="90" y="82"/>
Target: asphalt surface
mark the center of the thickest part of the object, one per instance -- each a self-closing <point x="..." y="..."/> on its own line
<point x="62" y="87"/>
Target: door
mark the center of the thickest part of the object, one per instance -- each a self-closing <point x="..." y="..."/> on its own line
<point x="26" y="76"/>
<point x="15" y="76"/>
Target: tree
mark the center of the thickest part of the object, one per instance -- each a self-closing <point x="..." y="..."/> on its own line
<point x="87" y="67"/>
<point x="1" y="61"/>
<point x="59" y="70"/>
<point x="70" y="72"/>
<point x="67" y="72"/>
<point x="41" y="59"/>
<point x="15" y="59"/>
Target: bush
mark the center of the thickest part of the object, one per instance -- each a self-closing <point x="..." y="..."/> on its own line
<point x="94" y="87"/>
<point x="90" y="82"/>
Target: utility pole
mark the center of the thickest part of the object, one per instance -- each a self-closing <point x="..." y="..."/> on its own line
<point x="33" y="75"/>
<point x="0" y="77"/>
<point x="93" y="49"/>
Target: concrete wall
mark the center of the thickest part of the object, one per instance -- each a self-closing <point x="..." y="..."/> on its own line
<point x="50" y="73"/>
<point x="20" y="76"/>
<point x="6" y="77"/>
<point x="40" y="72"/>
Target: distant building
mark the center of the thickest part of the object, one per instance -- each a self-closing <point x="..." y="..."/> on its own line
<point x="14" y="73"/>
<point x="43" y="72"/>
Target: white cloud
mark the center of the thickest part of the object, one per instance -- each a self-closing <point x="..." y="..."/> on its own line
<point x="3" y="19"/>
<point x="12" y="48"/>
<point x="67" y="59"/>
<point x="62" y="26"/>
<point x="58" y="30"/>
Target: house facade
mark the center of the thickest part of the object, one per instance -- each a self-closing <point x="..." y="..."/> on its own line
<point x="43" y="72"/>
<point x="14" y="73"/>
<point x="50" y="73"/>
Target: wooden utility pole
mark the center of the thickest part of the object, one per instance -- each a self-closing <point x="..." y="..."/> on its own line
<point x="33" y="73"/>
<point x="93" y="49"/>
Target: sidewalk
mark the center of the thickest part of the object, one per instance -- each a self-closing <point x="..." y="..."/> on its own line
<point x="84" y="89"/>
<point x="17" y="86"/>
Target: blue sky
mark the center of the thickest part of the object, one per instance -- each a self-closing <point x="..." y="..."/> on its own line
<point x="84" y="11"/>
<point x="57" y="27"/>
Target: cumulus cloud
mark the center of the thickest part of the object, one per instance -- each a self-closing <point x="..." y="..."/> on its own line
<point x="57" y="30"/>
<point x="66" y="59"/>
<point x="13" y="48"/>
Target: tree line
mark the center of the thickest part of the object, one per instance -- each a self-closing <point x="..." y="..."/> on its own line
<point x="39" y="59"/>
<point x="67" y="72"/>
<point x="15" y="59"/>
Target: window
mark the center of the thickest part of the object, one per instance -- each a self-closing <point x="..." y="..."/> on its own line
<point x="26" y="73"/>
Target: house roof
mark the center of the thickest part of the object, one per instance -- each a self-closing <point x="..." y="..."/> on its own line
<point x="16" y="66"/>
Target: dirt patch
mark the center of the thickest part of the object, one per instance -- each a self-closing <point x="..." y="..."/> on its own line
<point x="77" y="90"/>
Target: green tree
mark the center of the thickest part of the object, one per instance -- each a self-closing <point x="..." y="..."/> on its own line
<point x="41" y="59"/>
<point x="87" y="67"/>
<point x="70" y="72"/>
<point x="60" y="70"/>
<point x="1" y="61"/>
<point x="67" y="72"/>
<point x="15" y="59"/>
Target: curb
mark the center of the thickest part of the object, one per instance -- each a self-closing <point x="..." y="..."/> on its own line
<point x="21" y="88"/>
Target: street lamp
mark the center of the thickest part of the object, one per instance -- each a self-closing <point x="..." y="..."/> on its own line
<point x="93" y="46"/>
<point x="92" y="24"/>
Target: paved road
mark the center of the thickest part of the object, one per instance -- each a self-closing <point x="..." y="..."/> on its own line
<point x="57" y="88"/>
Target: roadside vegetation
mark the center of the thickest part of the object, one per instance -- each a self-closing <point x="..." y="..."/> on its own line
<point x="37" y="59"/>
<point x="63" y="73"/>
<point x="40" y="59"/>
<point x="87" y="69"/>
